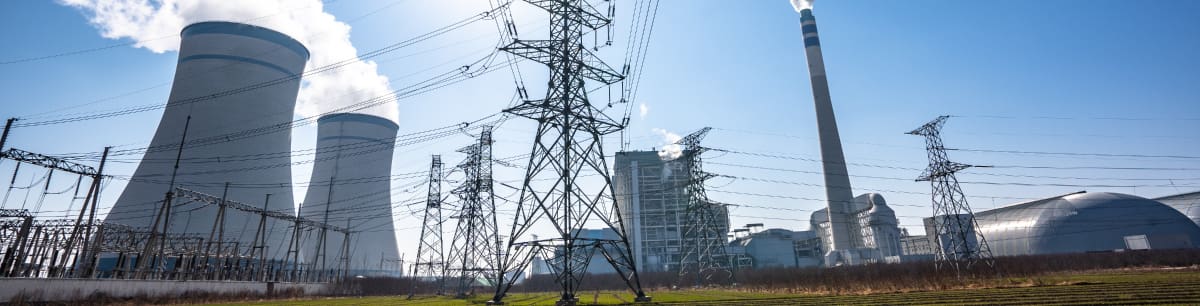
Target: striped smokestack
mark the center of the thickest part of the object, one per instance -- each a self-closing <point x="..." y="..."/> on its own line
<point x="837" y="182"/>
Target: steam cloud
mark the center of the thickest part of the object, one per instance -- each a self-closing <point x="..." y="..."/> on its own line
<point x="669" y="151"/>
<point x="643" y="110"/>
<point x="152" y="23"/>
<point x="801" y="5"/>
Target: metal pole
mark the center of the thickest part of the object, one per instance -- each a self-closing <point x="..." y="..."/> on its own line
<point x="171" y="193"/>
<point x="294" y="247"/>
<point x="95" y="199"/>
<point x="259" y="233"/>
<point x="4" y="137"/>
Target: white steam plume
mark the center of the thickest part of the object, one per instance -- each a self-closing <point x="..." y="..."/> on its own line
<point x="643" y="110"/>
<point x="801" y="5"/>
<point x="670" y="150"/>
<point x="152" y="23"/>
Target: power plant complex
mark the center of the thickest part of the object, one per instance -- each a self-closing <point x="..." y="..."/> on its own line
<point x="211" y="199"/>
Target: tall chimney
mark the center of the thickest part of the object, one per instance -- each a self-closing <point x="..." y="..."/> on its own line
<point x="837" y="182"/>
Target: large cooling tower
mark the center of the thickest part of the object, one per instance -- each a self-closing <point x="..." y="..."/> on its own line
<point x="354" y="151"/>
<point x="218" y="83"/>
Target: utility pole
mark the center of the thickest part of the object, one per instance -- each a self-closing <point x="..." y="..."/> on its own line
<point x="85" y="257"/>
<point x="260" y="242"/>
<point x="218" y="229"/>
<point x="704" y="256"/>
<point x="431" y="262"/>
<point x="321" y="253"/>
<point x="293" y="250"/>
<point x="164" y="213"/>
<point x="558" y="190"/>
<point x="956" y="238"/>
<point x="344" y="266"/>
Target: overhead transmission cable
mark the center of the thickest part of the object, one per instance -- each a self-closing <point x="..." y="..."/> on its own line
<point x="284" y="80"/>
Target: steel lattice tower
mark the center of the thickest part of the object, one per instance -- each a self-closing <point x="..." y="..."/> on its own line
<point x="475" y="249"/>
<point x="957" y="242"/>
<point x="430" y="263"/>
<point x="567" y="147"/>
<point x="704" y="257"/>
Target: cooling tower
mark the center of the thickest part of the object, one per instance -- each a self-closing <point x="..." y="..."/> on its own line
<point x="354" y="151"/>
<point x="218" y="62"/>
<point x="837" y="181"/>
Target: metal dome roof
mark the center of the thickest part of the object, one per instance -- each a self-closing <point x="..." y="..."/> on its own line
<point x="1187" y="203"/>
<point x="1085" y="222"/>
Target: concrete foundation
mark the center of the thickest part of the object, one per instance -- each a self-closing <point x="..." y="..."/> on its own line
<point x="48" y="290"/>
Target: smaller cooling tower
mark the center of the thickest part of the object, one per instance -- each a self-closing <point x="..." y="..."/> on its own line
<point x="354" y="151"/>
<point x="218" y="84"/>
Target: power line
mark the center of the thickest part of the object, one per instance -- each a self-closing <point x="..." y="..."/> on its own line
<point x="1076" y="153"/>
<point x="1117" y="118"/>
<point x="275" y="82"/>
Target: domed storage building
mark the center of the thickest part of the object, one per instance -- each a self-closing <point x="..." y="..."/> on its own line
<point x="1086" y="222"/>
<point x="1186" y="203"/>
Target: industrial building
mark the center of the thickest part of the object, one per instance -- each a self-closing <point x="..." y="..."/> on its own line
<point x="1186" y="203"/>
<point x="214" y="58"/>
<point x="1085" y="222"/>
<point x="776" y="248"/>
<point x="873" y="232"/>
<point x="653" y="202"/>
<point x="954" y="225"/>
<point x="916" y="247"/>
<point x="351" y="187"/>
<point x="597" y="264"/>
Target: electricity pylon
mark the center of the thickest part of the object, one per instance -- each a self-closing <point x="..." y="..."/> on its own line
<point x="704" y="259"/>
<point x="567" y="186"/>
<point x="957" y="241"/>
<point x="430" y="263"/>
<point x="475" y="249"/>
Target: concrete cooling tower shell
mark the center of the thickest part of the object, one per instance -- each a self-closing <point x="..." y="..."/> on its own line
<point x="355" y="151"/>
<point x="215" y="60"/>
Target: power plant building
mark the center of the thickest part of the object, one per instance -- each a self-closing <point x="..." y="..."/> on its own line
<point x="351" y="188"/>
<point x="772" y="248"/>
<point x="874" y="232"/>
<point x="653" y="200"/>
<point x="217" y="61"/>
<point x="1086" y="222"/>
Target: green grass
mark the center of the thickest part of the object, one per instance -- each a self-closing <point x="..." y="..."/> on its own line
<point x="1180" y="287"/>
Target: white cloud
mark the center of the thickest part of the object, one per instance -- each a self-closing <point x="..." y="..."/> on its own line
<point x="643" y="110"/>
<point x="154" y="24"/>
<point x="669" y="150"/>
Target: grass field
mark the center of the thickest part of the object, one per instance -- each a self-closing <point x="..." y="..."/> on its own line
<point x="1180" y="287"/>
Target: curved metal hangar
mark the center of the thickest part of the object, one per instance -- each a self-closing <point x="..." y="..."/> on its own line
<point x="1086" y="222"/>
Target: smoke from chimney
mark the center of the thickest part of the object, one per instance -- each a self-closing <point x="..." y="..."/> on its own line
<point x="670" y="150"/>
<point x="801" y="5"/>
<point x="155" y="25"/>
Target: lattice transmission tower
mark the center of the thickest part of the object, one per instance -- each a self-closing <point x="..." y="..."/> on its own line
<point x="430" y="264"/>
<point x="957" y="242"/>
<point x="475" y="249"/>
<point x="567" y="186"/>
<point x="705" y="260"/>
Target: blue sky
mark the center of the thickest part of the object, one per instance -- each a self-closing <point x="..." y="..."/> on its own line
<point x="1105" y="77"/>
